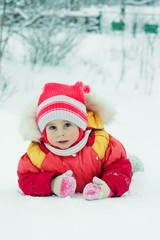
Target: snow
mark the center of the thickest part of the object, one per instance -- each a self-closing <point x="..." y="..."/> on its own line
<point x="133" y="216"/>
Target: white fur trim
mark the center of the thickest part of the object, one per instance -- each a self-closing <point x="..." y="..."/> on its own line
<point x="101" y="106"/>
<point x="30" y="131"/>
<point x="28" y="125"/>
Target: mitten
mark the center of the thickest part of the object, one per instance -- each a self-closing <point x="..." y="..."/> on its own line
<point x="64" y="185"/>
<point x="97" y="190"/>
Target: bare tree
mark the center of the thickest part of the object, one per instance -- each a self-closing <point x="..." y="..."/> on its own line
<point x="42" y="27"/>
<point x="39" y="23"/>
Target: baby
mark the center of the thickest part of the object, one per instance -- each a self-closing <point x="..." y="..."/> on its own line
<point x="70" y="151"/>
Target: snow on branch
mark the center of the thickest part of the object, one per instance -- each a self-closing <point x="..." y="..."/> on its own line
<point x="143" y="2"/>
<point x="21" y="13"/>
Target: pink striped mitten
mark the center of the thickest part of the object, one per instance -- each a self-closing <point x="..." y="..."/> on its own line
<point x="97" y="190"/>
<point x="64" y="185"/>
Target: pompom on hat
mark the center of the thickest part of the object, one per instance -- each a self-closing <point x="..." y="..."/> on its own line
<point x="63" y="102"/>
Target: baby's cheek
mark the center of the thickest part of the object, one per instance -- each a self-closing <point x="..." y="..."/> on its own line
<point x="74" y="135"/>
<point x="51" y="138"/>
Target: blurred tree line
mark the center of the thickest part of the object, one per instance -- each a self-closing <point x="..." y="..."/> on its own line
<point x="44" y="20"/>
<point x="44" y="28"/>
<point x="40" y="24"/>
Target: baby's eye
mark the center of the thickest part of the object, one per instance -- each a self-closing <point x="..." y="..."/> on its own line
<point x="52" y="127"/>
<point x="67" y="124"/>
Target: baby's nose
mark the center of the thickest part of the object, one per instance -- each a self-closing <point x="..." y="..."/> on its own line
<point x="60" y="133"/>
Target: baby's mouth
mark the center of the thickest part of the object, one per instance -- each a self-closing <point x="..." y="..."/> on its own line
<point x="63" y="141"/>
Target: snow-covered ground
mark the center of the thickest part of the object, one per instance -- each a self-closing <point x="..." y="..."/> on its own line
<point x="134" y="216"/>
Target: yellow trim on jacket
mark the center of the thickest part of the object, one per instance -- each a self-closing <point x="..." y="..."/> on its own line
<point x="101" y="142"/>
<point x="101" y="136"/>
<point x="35" y="154"/>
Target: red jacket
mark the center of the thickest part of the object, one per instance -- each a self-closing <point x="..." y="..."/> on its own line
<point x="103" y="156"/>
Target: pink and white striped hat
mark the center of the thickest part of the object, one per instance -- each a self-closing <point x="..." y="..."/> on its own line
<point x="64" y="102"/>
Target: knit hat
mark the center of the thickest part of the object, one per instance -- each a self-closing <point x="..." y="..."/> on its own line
<point x="64" y="102"/>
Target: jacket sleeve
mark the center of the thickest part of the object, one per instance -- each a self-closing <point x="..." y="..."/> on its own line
<point x="31" y="181"/>
<point x="117" y="170"/>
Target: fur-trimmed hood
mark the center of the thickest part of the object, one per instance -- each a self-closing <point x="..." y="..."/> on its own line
<point x="29" y="128"/>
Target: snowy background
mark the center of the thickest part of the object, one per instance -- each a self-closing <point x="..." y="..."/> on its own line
<point x="130" y="82"/>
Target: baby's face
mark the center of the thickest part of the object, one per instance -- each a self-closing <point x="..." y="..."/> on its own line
<point x="61" y="133"/>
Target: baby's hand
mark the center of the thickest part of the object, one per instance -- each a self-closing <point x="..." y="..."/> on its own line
<point x="64" y="185"/>
<point x="96" y="190"/>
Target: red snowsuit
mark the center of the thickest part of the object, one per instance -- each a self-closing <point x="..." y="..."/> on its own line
<point x="103" y="156"/>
